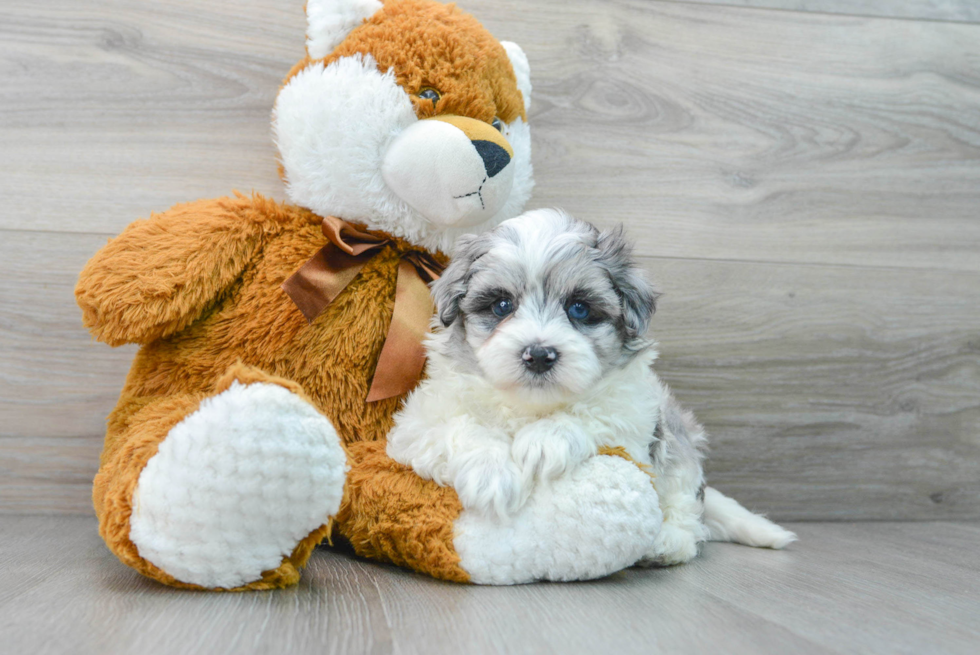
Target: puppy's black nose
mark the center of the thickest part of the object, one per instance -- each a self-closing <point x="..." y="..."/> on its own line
<point x="494" y="157"/>
<point x="539" y="358"/>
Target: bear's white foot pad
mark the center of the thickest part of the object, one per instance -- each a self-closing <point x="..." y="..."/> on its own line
<point x="235" y="486"/>
<point x="600" y="518"/>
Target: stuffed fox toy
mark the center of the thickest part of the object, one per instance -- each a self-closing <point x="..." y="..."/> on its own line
<point x="277" y="340"/>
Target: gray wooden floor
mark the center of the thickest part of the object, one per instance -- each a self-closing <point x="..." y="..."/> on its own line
<point x="845" y="588"/>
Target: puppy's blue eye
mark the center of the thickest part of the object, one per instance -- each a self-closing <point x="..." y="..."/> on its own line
<point x="502" y="307"/>
<point x="578" y="311"/>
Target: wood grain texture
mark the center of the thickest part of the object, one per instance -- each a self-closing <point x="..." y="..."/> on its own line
<point x="731" y="133"/>
<point x="724" y="132"/>
<point x="805" y="187"/>
<point x="828" y="392"/>
<point x="112" y="109"/>
<point x="967" y="11"/>
<point x="845" y="588"/>
<point x="57" y="385"/>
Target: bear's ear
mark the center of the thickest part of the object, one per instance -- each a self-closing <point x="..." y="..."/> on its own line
<point x="522" y="69"/>
<point x="328" y="22"/>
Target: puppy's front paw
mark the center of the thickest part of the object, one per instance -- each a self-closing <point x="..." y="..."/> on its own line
<point x="674" y="545"/>
<point x="489" y="483"/>
<point x="548" y="448"/>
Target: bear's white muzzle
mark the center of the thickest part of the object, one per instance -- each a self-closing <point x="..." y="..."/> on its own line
<point x="455" y="171"/>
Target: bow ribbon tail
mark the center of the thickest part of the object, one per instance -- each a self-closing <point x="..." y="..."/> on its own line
<point x="403" y="355"/>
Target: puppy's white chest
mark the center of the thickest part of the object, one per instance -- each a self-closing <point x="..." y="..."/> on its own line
<point x="622" y="412"/>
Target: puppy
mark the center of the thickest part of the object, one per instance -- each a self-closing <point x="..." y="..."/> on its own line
<point x="539" y="358"/>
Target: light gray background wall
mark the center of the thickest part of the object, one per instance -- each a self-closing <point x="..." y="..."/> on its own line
<point x="804" y="185"/>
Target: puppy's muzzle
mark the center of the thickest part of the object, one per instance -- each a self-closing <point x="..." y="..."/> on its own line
<point x="539" y="359"/>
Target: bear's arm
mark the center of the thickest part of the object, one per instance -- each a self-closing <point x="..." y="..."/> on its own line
<point x="160" y="274"/>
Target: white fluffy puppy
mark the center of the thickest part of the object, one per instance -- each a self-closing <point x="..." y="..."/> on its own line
<point x="538" y="359"/>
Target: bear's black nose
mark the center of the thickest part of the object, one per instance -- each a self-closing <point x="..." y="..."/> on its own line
<point x="539" y="359"/>
<point x="494" y="157"/>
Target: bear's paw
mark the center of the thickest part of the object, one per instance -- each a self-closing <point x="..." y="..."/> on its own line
<point x="236" y="485"/>
<point x="599" y="518"/>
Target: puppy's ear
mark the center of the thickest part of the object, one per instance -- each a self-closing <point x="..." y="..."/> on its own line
<point x="636" y="295"/>
<point x="450" y="288"/>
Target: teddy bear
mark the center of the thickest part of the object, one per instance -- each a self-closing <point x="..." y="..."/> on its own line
<point x="277" y="340"/>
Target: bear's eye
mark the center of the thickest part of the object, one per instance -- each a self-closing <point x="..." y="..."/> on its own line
<point x="430" y="94"/>
<point x="497" y="124"/>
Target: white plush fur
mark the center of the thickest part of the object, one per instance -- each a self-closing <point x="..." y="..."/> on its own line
<point x="237" y="485"/>
<point x="598" y="519"/>
<point x="334" y="125"/>
<point x="330" y="21"/>
<point x="522" y="70"/>
<point x="433" y="166"/>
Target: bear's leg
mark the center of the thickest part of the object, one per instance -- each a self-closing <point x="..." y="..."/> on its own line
<point x="391" y="514"/>
<point x="228" y="491"/>
<point x="599" y="518"/>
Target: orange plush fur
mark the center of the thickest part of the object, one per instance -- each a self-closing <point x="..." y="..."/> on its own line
<point x="199" y="288"/>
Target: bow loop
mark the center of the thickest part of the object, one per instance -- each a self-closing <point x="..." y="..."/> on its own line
<point x="358" y="241"/>
<point x="320" y="280"/>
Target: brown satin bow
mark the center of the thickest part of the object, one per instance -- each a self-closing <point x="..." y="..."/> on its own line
<point x="319" y="281"/>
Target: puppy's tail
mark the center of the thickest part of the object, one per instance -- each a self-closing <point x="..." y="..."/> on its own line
<point x="726" y="520"/>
